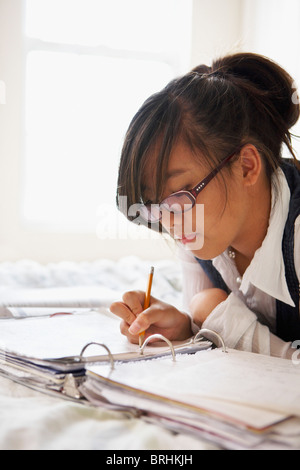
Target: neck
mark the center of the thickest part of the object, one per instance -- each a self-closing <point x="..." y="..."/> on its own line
<point x="254" y="229"/>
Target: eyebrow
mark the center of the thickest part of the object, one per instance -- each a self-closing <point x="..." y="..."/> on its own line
<point x="175" y="172"/>
<point x="170" y="174"/>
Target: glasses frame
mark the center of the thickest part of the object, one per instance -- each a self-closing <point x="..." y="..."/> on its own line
<point x="191" y="193"/>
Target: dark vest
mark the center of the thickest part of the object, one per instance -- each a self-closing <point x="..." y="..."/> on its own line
<point x="287" y="317"/>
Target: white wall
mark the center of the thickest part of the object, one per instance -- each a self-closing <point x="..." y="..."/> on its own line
<point x="216" y="29"/>
<point x="272" y="28"/>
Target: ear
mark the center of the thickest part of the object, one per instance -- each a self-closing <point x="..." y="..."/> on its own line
<point x="251" y="164"/>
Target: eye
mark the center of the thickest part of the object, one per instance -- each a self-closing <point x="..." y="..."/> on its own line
<point x="186" y="187"/>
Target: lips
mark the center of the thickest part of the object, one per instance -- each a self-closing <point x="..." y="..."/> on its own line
<point x="188" y="239"/>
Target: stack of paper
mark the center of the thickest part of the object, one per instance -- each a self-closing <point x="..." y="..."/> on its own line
<point x="235" y="399"/>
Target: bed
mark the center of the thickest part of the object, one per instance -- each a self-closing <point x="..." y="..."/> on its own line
<point x="30" y="420"/>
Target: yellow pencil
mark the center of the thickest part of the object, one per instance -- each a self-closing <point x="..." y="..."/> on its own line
<point x="147" y="302"/>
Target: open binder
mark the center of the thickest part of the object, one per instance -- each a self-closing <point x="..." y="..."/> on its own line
<point x="234" y="399"/>
<point x="52" y="353"/>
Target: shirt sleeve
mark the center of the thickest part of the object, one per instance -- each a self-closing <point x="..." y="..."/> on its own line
<point x="232" y="319"/>
<point x="240" y="329"/>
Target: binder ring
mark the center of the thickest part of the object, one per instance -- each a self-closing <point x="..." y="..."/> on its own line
<point x="213" y="333"/>
<point x="112" y="362"/>
<point x="158" y="336"/>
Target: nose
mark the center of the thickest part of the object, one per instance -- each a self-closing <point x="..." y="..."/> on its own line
<point x="172" y="222"/>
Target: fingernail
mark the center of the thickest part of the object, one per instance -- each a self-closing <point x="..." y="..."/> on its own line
<point x="135" y="328"/>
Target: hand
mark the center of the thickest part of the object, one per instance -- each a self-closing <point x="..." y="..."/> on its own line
<point x="159" y="318"/>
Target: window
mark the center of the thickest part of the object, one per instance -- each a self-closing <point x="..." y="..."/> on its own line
<point x="89" y="66"/>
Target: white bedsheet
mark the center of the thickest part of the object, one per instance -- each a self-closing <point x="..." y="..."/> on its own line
<point x="31" y="420"/>
<point x="116" y="277"/>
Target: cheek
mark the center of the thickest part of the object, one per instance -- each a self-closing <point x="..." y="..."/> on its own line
<point x="193" y="220"/>
<point x="222" y="216"/>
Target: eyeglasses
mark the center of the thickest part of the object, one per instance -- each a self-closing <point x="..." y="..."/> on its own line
<point x="181" y="201"/>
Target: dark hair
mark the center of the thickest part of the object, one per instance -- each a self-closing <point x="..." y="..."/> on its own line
<point x="242" y="98"/>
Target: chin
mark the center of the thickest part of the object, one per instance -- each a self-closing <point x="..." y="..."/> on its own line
<point x="206" y="253"/>
<point x="202" y="256"/>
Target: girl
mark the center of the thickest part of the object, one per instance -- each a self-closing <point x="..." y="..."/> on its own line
<point x="213" y="138"/>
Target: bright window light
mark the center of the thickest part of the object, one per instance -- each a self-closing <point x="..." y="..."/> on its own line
<point x="90" y="65"/>
<point x="144" y="25"/>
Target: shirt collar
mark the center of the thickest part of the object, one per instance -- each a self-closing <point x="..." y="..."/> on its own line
<point x="267" y="270"/>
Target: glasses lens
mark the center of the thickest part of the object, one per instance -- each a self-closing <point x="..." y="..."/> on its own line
<point x="178" y="203"/>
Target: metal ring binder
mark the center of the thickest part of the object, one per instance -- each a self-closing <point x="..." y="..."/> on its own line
<point x="158" y="336"/>
<point x="212" y="332"/>
<point x="111" y="358"/>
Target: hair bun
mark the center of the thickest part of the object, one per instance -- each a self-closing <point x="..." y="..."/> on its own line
<point x="260" y="76"/>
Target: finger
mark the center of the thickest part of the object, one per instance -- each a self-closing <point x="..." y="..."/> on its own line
<point x="134" y="300"/>
<point x="124" y="330"/>
<point x="149" y="317"/>
<point x="121" y="310"/>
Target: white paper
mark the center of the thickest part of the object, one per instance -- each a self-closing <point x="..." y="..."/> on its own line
<point x="215" y="380"/>
<point x="66" y="335"/>
<point x="63" y="335"/>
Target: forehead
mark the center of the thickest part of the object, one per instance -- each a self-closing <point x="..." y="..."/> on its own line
<point x="182" y="162"/>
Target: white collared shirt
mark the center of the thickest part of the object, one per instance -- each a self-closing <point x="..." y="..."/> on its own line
<point x="247" y="319"/>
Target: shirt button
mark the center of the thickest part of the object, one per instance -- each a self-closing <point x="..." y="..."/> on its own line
<point x="239" y="280"/>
